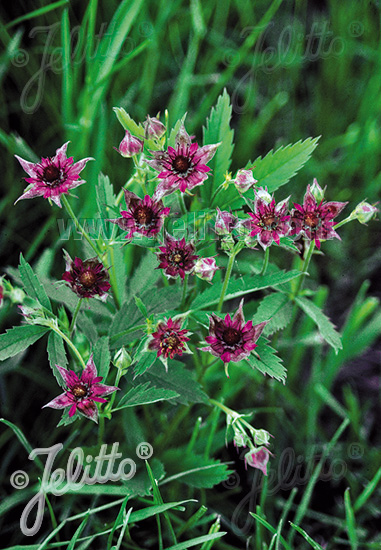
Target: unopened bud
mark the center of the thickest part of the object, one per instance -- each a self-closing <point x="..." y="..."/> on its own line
<point x="316" y="191"/>
<point x="244" y="180"/>
<point x="205" y="268"/>
<point x="153" y="128"/>
<point x="130" y="146"/>
<point x="364" y="212"/>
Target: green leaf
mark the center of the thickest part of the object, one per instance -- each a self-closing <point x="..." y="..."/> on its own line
<point x="144" y="361"/>
<point x="194" y="470"/>
<point x="145" y="275"/>
<point x="277" y="168"/>
<point x="196" y="541"/>
<point x="242" y="286"/>
<point x="144" y="394"/>
<point x="268" y="363"/>
<point x="105" y="196"/>
<point x="19" y="338"/>
<point x="32" y="284"/>
<point x="315" y="545"/>
<point x="326" y="328"/>
<point x="178" y="379"/>
<point x="218" y="130"/>
<point x="57" y="355"/>
<point x="102" y="357"/>
<point x="128" y="123"/>
<point x="174" y="131"/>
<point x="277" y="308"/>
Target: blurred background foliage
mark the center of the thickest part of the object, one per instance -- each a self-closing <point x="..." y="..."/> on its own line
<point x="293" y="69"/>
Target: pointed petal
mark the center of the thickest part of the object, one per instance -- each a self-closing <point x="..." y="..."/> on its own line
<point x="59" y="402"/>
<point x="90" y="372"/>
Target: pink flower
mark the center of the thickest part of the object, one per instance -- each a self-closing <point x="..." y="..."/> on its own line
<point x="169" y="340"/>
<point x="183" y="166"/>
<point x="53" y="176"/>
<point x="144" y="216"/>
<point x="205" y="268"/>
<point x="258" y="458"/>
<point x="313" y="220"/>
<point x="82" y="393"/>
<point x="176" y="257"/>
<point x="244" y="180"/>
<point x="232" y="339"/>
<point x="87" y="278"/>
<point x="130" y="146"/>
<point x="269" y="221"/>
<point x="226" y="222"/>
<point x="153" y="128"/>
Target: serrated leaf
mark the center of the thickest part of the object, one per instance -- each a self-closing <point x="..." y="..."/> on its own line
<point x="277" y="168"/>
<point x="16" y="339"/>
<point x="145" y="361"/>
<point x="277" y="309"/>
<point x="128" y="123"/>
<point x="178" y="379"/>
<point x="218" y="130"/>
<point x="32" y="284"/>
<point x="194" y="470"/>
<point x="102" y="357"/>
<point x="326" y="328"/>
<point x="240" y="287"/>
<point x="268" y="363"/>
<point x="145" y="274"/>
<point x="57" y="355"/>
<point x="143" y="394"/>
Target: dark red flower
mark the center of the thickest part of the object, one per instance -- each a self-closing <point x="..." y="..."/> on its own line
<point x="169" y="339"/>
<point x="313" y="220"/>
<point x="144" y="216"/>
<point x="176" y="257"/>
<point x="87" y="278"/>
<point x="82" y="393"/>
<point x="269" y="221"/>
<point x="232" y="339"/>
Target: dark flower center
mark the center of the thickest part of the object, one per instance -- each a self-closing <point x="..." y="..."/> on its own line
<point x="270" y="221"/>
<point x="172" y="341"/>
<point x="176" y="258"/>
<point x="52" y="175"/>
<point x="79" y="390"/>
<point x="181" y="164"/>
<point x="311" y="219"/>
<point x="88" y="278"/>
<point x="143" y="215"/>
<point x="231" y="336"/>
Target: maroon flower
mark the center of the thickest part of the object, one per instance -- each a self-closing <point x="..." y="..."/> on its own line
<point x="52" y="177"/>
<point x="87" y="278"/>
<point x="182" y="167"/>
<point x="232" y="339"/>
<point x="269" y="221"/>
<point x="130" y="146"/>
<point x="169" y="340"/>
<point x="313" y="220"/>
<point x="82" y="393"/>
<point x="144" y="216"/>
<point x="176" y="257"/>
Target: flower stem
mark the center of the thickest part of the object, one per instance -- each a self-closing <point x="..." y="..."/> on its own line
<point x="185" y="286"/>
<point x="238" y="247"/>
<point x="305" y="268"/>
<point x="69" y="343"/>
<point x="182" y="204"/>
<point x="265" y="261"/>
<point x="74" y="318"/>
<point x="78" y="225"/>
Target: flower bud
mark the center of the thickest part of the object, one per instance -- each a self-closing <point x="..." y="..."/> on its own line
<point x="122" y="360"/>
<point x="262" y="193"/>
<point x="153" y="128"/>
<point x="258" y="458"/>
<point x="364" y="212"/>
<point x="205" y="268"/>
<point x="130" y="146"/>
<point x="316" y="191"/>
<point x="244" y="180"/>
<point x="225" y="222"/>
<point x="261" y="437"/>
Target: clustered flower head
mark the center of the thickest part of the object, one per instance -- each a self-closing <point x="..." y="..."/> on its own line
<point x="176" y="258"/>
<point x="232" y="339"/>
<point x="314" y="220"/>
<point x="169" y="339"/>
<point x="53" y="176"/>
<point x="82" y="393"/>
<point x="269" y="221"/>
<point x="87" y="278"/>
<point x="183" y="166"/>
<point x="130" y="146"/>
<point x="143" y="216"/>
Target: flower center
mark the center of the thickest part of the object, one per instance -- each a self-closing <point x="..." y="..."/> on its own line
<point x="52" y="175"/>
<point x="311" y="219"/>
<point x="270" y="221"/>
<point x="79" y="390"/>
<point x="231" y="336"/>
<point x="143" y="215"/>
<point x="87" y="278"/>
<point x="172" y="341"/>
<point x="176" y="258"/>
<point x="181" y="164"/>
